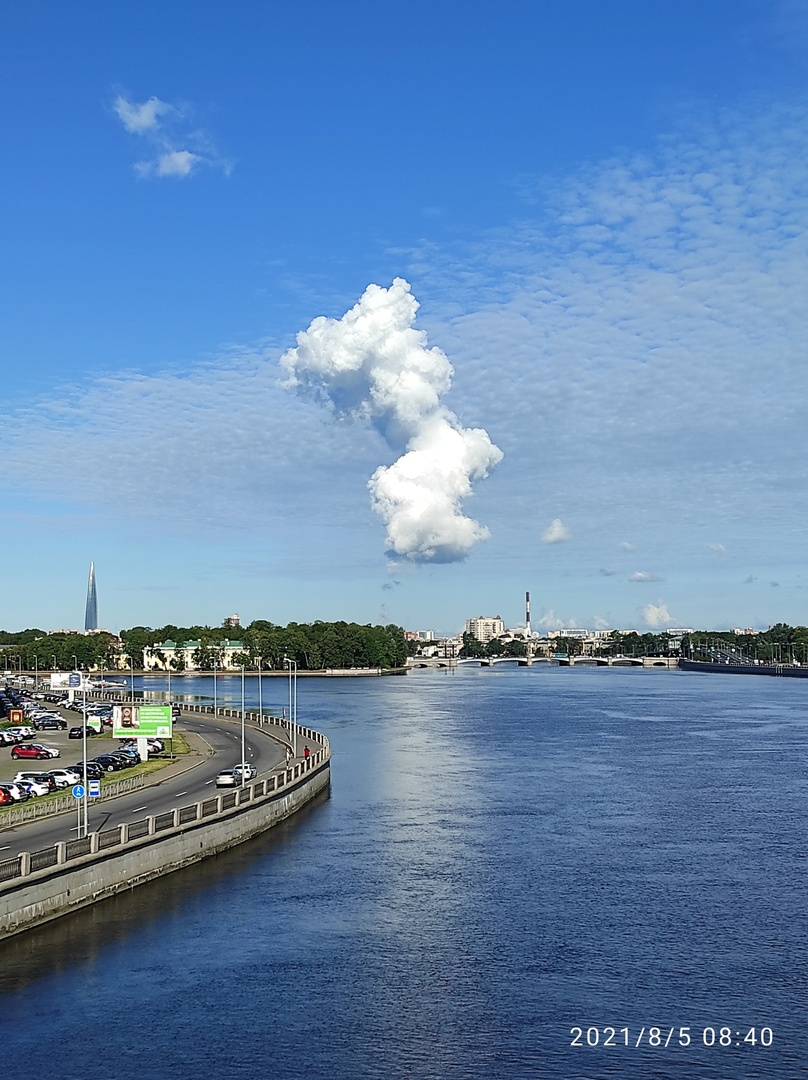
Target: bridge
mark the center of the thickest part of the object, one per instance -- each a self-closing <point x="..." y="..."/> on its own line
<point x="544" y="661"/>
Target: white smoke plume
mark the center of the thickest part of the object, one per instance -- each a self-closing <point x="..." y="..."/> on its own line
<point x="373" y="365"/>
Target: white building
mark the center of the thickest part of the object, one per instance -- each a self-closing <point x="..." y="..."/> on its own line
<point x="170" y="656"/>
<point x="485" y="627"/>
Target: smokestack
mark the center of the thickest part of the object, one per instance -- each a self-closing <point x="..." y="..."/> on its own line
<point x="527" y="614"/>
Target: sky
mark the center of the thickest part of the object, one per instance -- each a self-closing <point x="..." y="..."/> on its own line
<point x="392" y="313"/>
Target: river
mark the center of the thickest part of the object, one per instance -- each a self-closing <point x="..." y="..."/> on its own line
<point x="506" y="855"/>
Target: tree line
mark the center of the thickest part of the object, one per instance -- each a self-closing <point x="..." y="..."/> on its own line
<point x="313" y="646"/>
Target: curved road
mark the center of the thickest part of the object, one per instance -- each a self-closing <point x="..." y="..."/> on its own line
<point x="157" y="797"/>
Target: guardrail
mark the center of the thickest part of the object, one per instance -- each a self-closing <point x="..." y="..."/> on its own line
<point x="59" y="804"/>
<point x="138" y="832"/>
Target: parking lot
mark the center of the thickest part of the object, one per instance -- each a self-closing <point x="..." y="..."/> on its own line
<point x="57" y="729"/>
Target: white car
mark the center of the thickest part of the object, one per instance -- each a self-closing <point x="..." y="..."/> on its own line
<point x="36" y="787"/>
<point x="247" y="770"/>
<point x="65" y="777"/>
<point x="227" y="778"/>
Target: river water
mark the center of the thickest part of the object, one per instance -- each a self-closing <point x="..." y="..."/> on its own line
<point x="505" y="856"/>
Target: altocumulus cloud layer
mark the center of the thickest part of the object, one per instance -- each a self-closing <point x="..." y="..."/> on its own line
<point x="372" y="365"/>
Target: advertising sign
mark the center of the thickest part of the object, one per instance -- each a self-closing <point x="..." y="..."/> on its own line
<point x="95" y="723"/>
<point x="69" y="680"/>
<point x="141" y="721"/>
<point x="15" y="716"/>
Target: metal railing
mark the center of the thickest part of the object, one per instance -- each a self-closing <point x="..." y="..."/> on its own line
<point x="27" y="863"/>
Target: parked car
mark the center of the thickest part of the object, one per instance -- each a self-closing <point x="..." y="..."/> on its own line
<point x="5" y="798"/>
<point x="17" y="793"/>
<point x="35" y="787"/>
<point x="94" y="770"/>
<point x="50" y="723"/>
<point x="129" y="752"/>
<point x="23" y="732"/>
<point x="34" y="750"/>
<point x="65" y="777"/>
<point x="110" y="763"/>
<point x="37" y="778"/>
<point x="78" y="732"/>
<point x="127" y="759"/>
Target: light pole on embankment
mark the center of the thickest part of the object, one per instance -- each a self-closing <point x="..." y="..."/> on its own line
<point x="243" y="748"/>
<point x="214" y="688"/>
<point x="292" y="705"/>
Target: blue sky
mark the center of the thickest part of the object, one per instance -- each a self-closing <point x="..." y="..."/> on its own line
<point x="588" y="381"/>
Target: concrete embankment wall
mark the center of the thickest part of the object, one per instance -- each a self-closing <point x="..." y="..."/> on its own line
<point x="39" y="886"/>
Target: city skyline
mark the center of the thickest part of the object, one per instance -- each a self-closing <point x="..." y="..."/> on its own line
<point x="393" y="321"/>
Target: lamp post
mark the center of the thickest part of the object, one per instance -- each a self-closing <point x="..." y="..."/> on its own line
<point x="214" y="688"/>
<point x="292" y="704"/>
<point x="132" y="680"/>
<point x="260" y="696"/>
<point x="243" y="748"/>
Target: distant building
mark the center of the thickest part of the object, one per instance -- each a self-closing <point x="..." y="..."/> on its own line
<point x="91" y="607"/>
<point x="485" y="627"/>
<point x="232" y="622"/>
<point x="172" y="656"/>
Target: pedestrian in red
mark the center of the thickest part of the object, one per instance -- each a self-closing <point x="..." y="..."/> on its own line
<point x="306" y="752"/>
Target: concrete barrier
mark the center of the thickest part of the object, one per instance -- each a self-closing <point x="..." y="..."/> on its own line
<point x="38" y="886"/>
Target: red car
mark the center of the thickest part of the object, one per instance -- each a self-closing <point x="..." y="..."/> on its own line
<point x="33" y="750"/>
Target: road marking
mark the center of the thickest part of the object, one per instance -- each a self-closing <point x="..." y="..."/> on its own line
<point x="139" y="808"/>
<point x="177" y="796"/>
<point x="208" y="782"/>
<point x="6" y="848"/>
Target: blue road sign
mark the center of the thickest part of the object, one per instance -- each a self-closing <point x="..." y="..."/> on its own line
<point x="78" y="791"/>
<point x="74" y="680"/>
<point x="95" y="788"/>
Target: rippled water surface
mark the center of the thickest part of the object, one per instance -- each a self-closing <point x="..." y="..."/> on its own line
<point x="504" y="855"/>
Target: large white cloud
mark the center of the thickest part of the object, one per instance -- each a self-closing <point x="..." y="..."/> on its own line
<point x="373" y="365"/>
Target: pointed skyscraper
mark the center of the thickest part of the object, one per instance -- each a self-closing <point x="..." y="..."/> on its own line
<point x="91" y="610"/>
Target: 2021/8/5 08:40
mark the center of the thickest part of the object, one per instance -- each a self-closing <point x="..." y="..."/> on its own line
<point x="665" y="1037"/>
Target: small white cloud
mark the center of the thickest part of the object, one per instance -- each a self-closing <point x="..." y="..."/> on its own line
<point x="174" y="163"/>
<point x="599" y="623"/>
<point x="643" y="575"/>
<point x="555" y="533"/>
<point x="719" y="549"/>
<point x="551" y="621"/>
<point x="177" y="146"/>
<point x="626" y="546"/>
<point x="138" y="119"/>
<point x="607" y="571"/>
<point x="656" y="615"/>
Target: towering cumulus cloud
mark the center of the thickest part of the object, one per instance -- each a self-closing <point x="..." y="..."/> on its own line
<point x="373" y="365"/>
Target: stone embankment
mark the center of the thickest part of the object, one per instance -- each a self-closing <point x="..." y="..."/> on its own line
<point x="38" y="886"/>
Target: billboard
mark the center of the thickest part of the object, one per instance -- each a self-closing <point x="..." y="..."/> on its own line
<point x="69" y="680"/>
<point x="141" y="721"/>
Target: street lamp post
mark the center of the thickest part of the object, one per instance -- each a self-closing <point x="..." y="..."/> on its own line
<point x="260" y="696"/>
<point x="243" y="747"/>
<point x="214" y="688"/>
<point x="292" y="704"/>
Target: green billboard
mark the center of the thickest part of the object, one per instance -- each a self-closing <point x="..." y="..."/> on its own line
<point x="141" y="721"/>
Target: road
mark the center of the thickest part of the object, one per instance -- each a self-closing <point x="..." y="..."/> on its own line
<point x="157" y="797"/>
